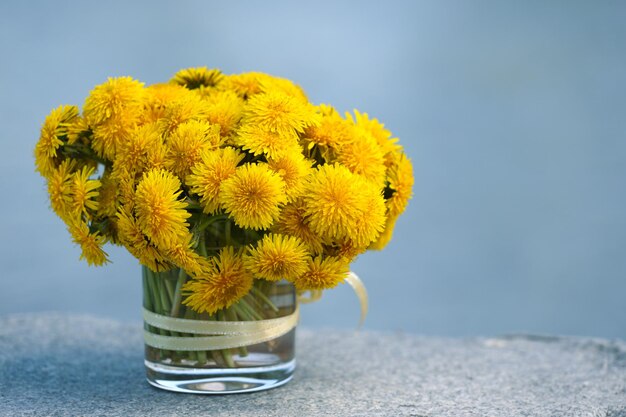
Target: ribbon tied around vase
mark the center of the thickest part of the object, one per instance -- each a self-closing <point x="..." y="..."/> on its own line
<point x="217" y="335"/>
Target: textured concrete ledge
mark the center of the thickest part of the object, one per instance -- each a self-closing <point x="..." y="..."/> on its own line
<point x="64" y="365"/>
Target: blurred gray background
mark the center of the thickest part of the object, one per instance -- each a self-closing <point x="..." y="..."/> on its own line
<point x="514" y="115"/>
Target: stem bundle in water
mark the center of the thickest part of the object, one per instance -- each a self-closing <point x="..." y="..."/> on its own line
<point x="163" y="296"/>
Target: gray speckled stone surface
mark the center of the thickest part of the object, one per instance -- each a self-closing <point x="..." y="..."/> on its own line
<point x="62" y="365"/>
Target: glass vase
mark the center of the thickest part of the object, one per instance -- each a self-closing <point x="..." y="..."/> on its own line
<point x="185" y="352"/>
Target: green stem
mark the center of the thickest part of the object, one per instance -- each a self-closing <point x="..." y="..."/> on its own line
<point x="228" y="232"/>
<point x="167" y="295"/>
<point x="148" y="298"/>
<point x="182" y="277"/>
<point x="201" y="355"/>
<point x="259" y="293"/>
<point x="232" y="315"/>
<point x="158" y="307"/>
<point x="242" y="314"/>
<point x="215" y="354"/>
<point x="165" y="302"/>
<point x="254" y="303"/>
<point x="147" y="302"/>
<point x="228" y="358"/>
<point x="202" y="246"/>
<point x="154" y="291"/>
<point x="170" y="288"/>
<point x="193" y="205"/>
<point x="191" y="355"/>
<point x="243" y="305"/>
<point x="208" y="221"/>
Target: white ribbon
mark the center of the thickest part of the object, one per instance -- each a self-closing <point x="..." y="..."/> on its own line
<point x="217" y="335"/>
<point x="360" y="291"/>
<point x="357" y="285"/>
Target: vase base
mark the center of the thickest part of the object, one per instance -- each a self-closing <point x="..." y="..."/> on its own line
<point x="219" y="381"/>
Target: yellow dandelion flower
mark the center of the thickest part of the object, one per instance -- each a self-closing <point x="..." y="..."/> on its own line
<point x="85" y="192"/>
<point x="244" y="85"/>
<point x="377" y="130"/>
<point x="157" y="97"/>
<point x="78" y="129"/>
<point x="326" y="110"/>
<point x="160" y="215"/>
<point x="193" y="78"/>
<point x="186" y="144"/>
<point x="293" y="222"/>
<point x="371" y="222"/>
<point x="346" y="249"/>
<point x="207" y="176"/>
<point x="140" y="152"/>
<point x="111" y="134"/>
<point x="225" y="109"/>
<point x="322" y="273"/>
<point x="108" y="197"/>
<point x="52" y="130"/>
<point x="183" y="256"/>
<point x="277" y="257"/>
<point x="332" y="130"/>
<point x="260" y="141"/>
<point x="115" y="97"/>
<point x="400" y="177"/>
<point x="90" y="243"/>
<point x="248" y="84"/>
<point x="333" y="202"/>
<point x="253" y="196"/>
<point x="385" y="236"/>
<point x="293" y="169"/>
<point x="283" y="86"/>
<point x="188" y="107"/>
<point x="108" y="228"/>
<point x="126" y="187"/>
<point x="131" y="236"/>
<point x="280" y="113"/>
<point x="339" y="203"/>
<point x="223" y="283"/>
<point x="60" y="188"/>
<point x="156" y="158"/>
<point x="363" y="156"/>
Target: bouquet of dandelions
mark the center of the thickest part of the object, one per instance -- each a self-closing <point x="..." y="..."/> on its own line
<point x="227" y="182"/>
